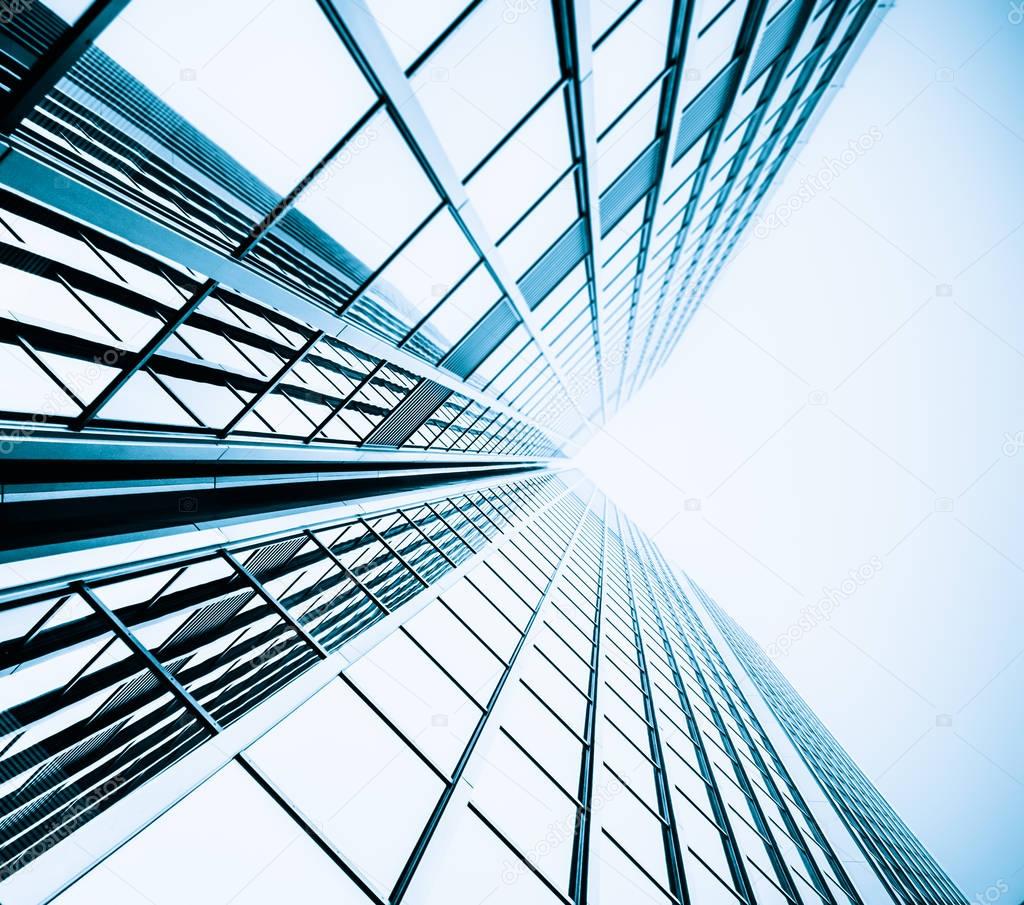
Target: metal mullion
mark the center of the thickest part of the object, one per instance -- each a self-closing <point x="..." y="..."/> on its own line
<point x="734" y="855"/>
<point x="57" y="60"/>
<point x="419" y="324"/>
<point x="601" y="38"/>
<point x="141" y="358"/>
<point x="662" y="73"/>
<point x="443" y="669"/>
<point x="149" y="659"/>
<point x="451" y="562"/>
<point x="272" y="384"/>
<point x="497" y="609"/>
<point x="472" y="631"/>
<point x="473" y="503"/>
<point x="449" y="526"/>
<point x="451" y="502"/>
<point x="363" y="39"/>
<point x="274" y="604"/>
<point x="714" y="873"/>
<point x="160" y="382"/>
<point x="541" y="768"/>
<point x="398" y="250"/>
<point x="537" y="203"/>
<point x="643" y="870"/>
<point x="465" y="429"/>
<point x="633" y="234"/>
<point x="81" y="301"/>
<point x="643" y="719"/>
<point x="568" y="646"/>
<point x="580" y="863"/>
<point x="416" y="857"/>
<point x="655" y="766"/>
<point x="678" y="39"/>
<point x="398" y="556"/>
<point x="277" y="213"/>
<point x="447" y="32"/>
<point x="561" y="672"/>
<point x="773" y="881"/>
<point x="670" y="331"/>
<point x="510" y="134"/>
<point x="346" y="399"/>
<point x="558" y="717"/>
<point x="575" y="50"/>
<point x="447" y="426"/>
<point x="26" y="347"/>
<point x="586" y="637"/>
<point x="316" y="836"/>
<point x="647" y="807"/>
<point x="670" y="833"/>
<point x="533" y="868"/>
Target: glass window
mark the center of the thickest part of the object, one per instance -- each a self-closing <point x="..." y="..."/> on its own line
<point x="627" y="138"/>
<point x="461" y="310"/>
<point x="356" y="780"/>
<point x="629" y="59"/>
<point x="410" y="25"/>
<point x="426" y="269"/>
<point x="523" y="169"/>
<point x="604" y="14"/>
<point x="426" y="705"/>
<point x="231" y="842"/>
<point x="370" y="199"/>
<point x="467" y="864"/>
<point x="241" y="74"/>
<point x="544" y="224"/>
<point x="621" y="880"/>
<point x="526" y="806"/>
<point x="465" y="87"/>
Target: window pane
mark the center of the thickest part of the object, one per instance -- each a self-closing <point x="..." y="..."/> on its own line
<point x="464" y="86"/>
<point x="371" y="797"/>
<point x="426" y="269"/>
<point x="230" y="843"/>
<point x="371" y="198"/>
<point x="538" y="231"/>
<point x="629" y="59"/>
<point x="523" y="169"/>
<point x="462" y="309"/>
<point x="410" y="25"/>
<point x="194" y="56"/>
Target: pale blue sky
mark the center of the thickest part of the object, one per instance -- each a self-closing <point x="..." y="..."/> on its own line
<point x="850" y="396"/>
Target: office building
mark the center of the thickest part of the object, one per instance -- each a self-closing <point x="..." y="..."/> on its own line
<point x="306" y="308"/>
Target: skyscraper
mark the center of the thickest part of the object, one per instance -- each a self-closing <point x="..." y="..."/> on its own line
<point x="307" y="304"/>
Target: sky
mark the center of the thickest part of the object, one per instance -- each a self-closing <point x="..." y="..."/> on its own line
<point x="844" y="419"/>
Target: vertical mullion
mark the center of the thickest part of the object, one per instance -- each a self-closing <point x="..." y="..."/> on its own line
<point x="733" y="853"/>
<point x="272" y="384"/>
<point x="416" y="857"/>
<point x="670" y="831"/>
<point x="579" y="867"/>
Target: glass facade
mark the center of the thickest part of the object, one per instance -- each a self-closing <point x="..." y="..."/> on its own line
<point x="909" y="872"/>
<point x="504" y="693"/>
<point x="306" y="304"/>
<point x="521" y="202"/>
